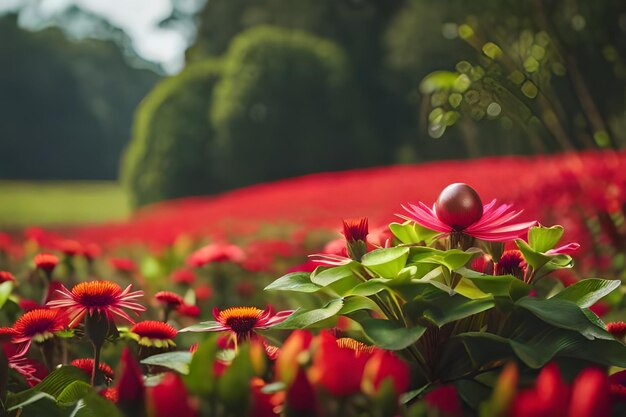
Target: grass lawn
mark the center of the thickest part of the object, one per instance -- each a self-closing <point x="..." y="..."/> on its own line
<point x="57" y="203"/>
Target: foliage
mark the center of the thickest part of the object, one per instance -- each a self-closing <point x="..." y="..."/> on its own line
<point x="286" y="106"/>
<point x="73" y="100"/>
<point x="551" y="69"/>
<point x="172" y="151"/>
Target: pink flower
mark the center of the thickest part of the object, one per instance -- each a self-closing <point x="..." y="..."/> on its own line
<point x="492" y="223"/>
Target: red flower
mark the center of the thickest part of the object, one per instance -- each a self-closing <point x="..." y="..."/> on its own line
<point x="170" y="299"/>
<point x="28" y="305"/>
<point x="203" y="292"/>
<point x="86" y="365"/>
<point x="591" y="394"/>
<point x="183" y="276"/>
<point x="188" y="310"/>
<point x="355" y="230"/>
<point x="154" y="333"/>
<point x="457" y="210"/>
<point x="549" y="398"/>
<point x="241" y="321"/>
<point x="446" y="399"/>
<point x="46" y="262"/>
<point x="130" y="384"/>
<point x="37" y="325"/>
<point x="384" y="365"/>
<point x="617" y="329"/>
<point x="216" y="252"/>
<point x="264" y="405"/>
<point x="110" y="394"/>
<point x="6" y="276"/>
<point x="287" y="360"/>
<point x="169" y="398"/>
<point x="332" y="357"/>
<point x="617" y="383"/>
<point x="102" y="297"/>
<point x="511" y="263"/>
<point x="123" y="265"/>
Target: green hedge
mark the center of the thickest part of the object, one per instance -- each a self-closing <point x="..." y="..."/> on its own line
<point x="171" y="154"/>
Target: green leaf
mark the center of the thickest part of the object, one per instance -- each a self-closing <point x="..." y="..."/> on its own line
<point x="5" y="292"/>
<point x="302" y="319"/>
<point x="532" y="257"/>
<point x="485" y="348"/>
<point x="53" y="385"/>
<point x="586" y="292"/>
<point x="564" y="314"/>
<point x="389" y="335"/>
<point x="410" y="232"/>
<point x="295" y="281"/>
<point x="233" y="387"/>
<point x="542" y="239"/>
<point x="74" y="392"/>
<point x="387" y="262"/>
<point x="355" y="303"/>
<point x="499" y="286"/>
<point x="200" y="380"/>
<point x="328" y="276"/>
<point x="177" y="361"/>
<point x="370" y="287"/>
<point x="441" y="308"/>
<point x="94" y="405"/>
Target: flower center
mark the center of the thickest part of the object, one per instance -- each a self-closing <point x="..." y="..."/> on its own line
<point x="241" y="325"/>
<point x="96" y="293"/>
<point x="241" y="320"/>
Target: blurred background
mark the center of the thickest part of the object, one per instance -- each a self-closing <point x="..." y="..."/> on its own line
<point x="109" y="106"/>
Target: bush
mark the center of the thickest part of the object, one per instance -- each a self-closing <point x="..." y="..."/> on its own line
<point x="285" y="106"/>
<point x="171" y="150"/>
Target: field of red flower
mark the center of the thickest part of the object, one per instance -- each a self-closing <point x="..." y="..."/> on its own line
<point x="463" y="306"/>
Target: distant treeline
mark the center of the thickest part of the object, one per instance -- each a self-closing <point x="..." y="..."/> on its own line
<point x="66" y="107"/>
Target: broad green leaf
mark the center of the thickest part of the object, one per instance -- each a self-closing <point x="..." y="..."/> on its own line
<point x="234" y="386"/>
<point x="177" y="361"/>
<point x="441" y="308"/>
<point x="539" y="345"/>
<point x="564" y="314"/>
<point x="586" y="292"/>
<point x="328" y="276"/>
<point x="303" y="318"/>
<point x="371" y="287"/>
<point x="355" y="303"/>
<point x="542" y="239"/>
<point x="53" y="384"/>
<point x="200" y="380"/>
<point x="532" y="257"/>
<point x="412" y="233"/>
<point x="94" y="405"/>
<point x="466" y="288"/>
<point x="74" y="392"/>
<point x="389" y="335"/>
<point x="387" y="262"/>
<point x="296" y="282"/>
<point x="484" y="348"/>
<point x="5" y="292"/>
<point x="499" y="286"/>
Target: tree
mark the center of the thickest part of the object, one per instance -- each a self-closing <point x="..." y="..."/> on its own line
<point x="172" y="149"/>
<point x="286" y="106"/>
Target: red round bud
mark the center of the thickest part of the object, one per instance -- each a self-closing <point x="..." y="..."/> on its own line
<point x="459" y="206"/>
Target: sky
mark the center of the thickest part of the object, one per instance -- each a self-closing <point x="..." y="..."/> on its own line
<point x="138" y="18"/>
